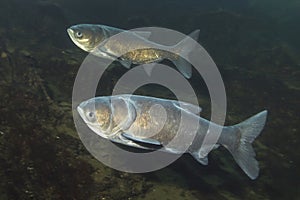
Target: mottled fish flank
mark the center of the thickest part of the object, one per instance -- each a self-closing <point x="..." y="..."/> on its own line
<point x="98" y="40"/>
<point x="140" y="121"/>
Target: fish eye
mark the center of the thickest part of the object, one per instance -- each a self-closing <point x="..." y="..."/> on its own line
<point x="90" y="115"/>
<point x="79" y="34"/>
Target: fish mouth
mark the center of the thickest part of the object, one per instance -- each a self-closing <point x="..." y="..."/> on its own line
<point x="94" y="127"/>
<point x="70" y="31"/>
<point x="81" y="112"/>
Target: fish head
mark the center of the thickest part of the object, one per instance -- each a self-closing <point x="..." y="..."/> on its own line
<point x="96" y="113"/>
<point x="87" y="36"/>
<point x="107" y="116"/>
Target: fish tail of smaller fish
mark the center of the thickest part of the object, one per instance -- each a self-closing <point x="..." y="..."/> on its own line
<point x="241" y="146"/>
<point x="184" y="48"/>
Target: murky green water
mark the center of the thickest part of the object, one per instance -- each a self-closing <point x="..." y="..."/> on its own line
<point x="255" y="44"/>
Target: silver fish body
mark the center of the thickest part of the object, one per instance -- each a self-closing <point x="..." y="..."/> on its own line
<point x="99" y="40"/>
<point x="140" y="121"/>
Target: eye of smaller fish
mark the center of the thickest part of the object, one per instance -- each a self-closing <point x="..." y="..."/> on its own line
<point x="79" y="34"/>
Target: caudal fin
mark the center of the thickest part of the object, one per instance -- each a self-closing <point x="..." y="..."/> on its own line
<point x="184" y="48"/>
<point x="242" y="151"/>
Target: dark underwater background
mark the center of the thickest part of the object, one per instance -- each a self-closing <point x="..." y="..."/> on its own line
<point x="255" y="44"/>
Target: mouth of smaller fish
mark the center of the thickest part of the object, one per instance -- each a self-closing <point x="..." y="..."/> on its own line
<point x="70" y="31"/>
<point x="82" y="44"/>
<point x="71" y="34"/>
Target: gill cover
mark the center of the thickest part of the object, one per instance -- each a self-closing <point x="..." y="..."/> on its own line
<point x="123" y="114"/>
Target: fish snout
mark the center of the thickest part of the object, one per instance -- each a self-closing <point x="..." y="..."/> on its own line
<point x="81" y="112"/>
<point x="70" y="31"/>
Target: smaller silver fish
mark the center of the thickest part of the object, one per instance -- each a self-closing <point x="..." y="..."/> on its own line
<point x="98" y="40"/>
<point x="140" y="121"/>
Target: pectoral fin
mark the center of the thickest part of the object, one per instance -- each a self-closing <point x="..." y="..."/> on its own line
<point x="142" y="140"/>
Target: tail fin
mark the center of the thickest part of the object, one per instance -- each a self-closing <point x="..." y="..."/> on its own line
<point x="184" y="48"/>
<point x="242" y="151"/>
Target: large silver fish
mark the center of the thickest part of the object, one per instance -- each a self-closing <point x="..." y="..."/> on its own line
<point x="140" y="121"/>
<point x="98" y="40"/>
